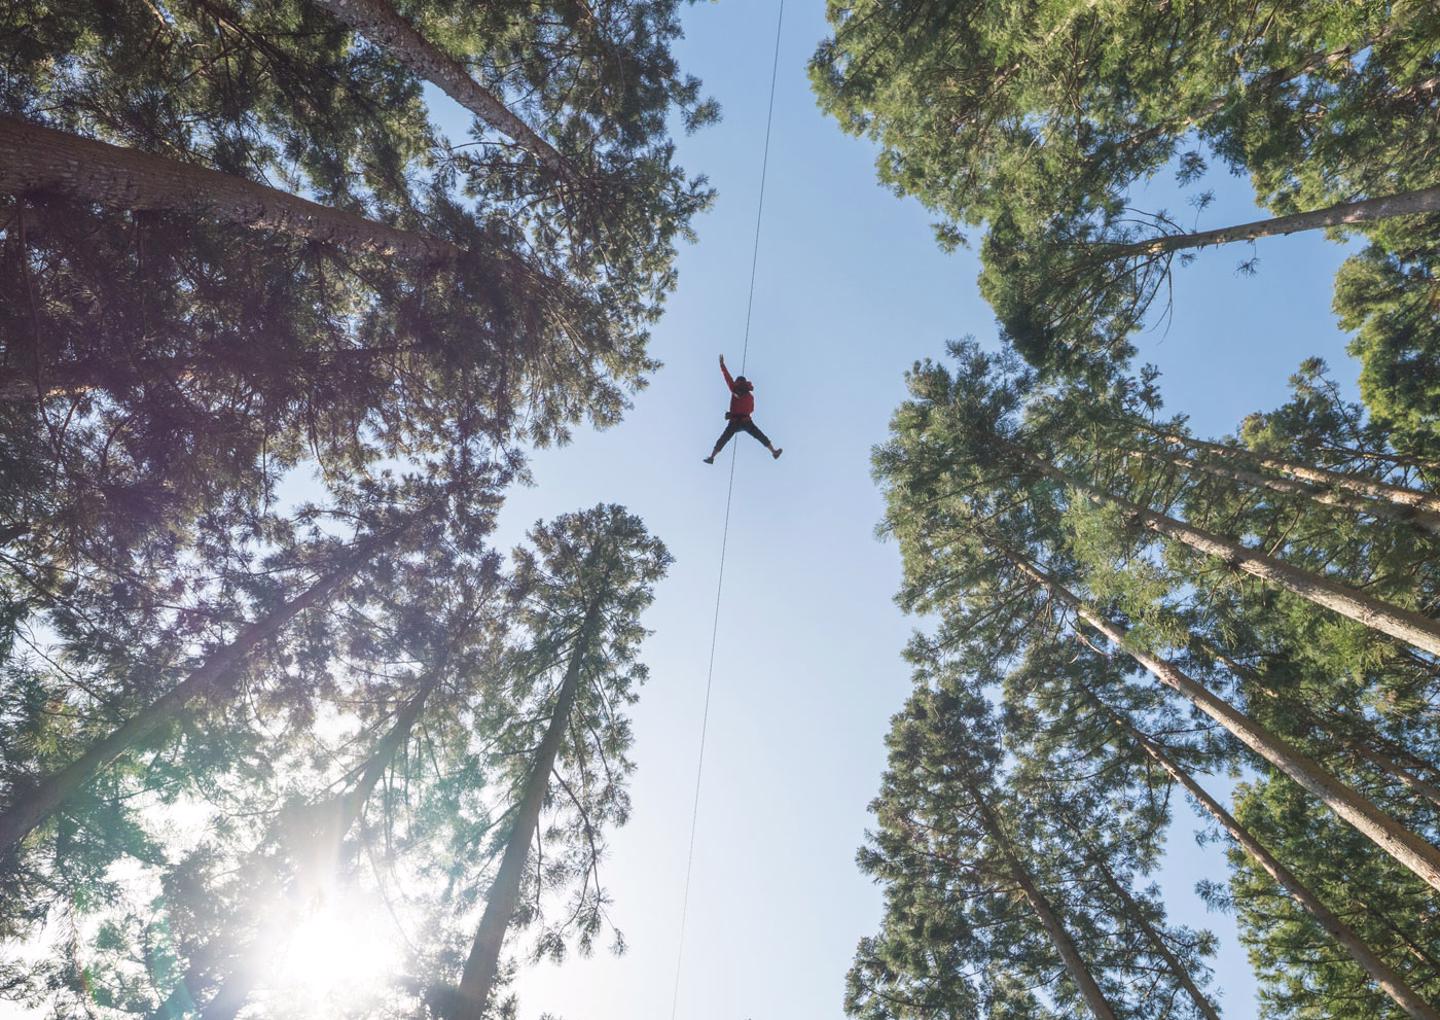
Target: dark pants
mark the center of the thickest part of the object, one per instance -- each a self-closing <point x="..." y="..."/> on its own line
<point x="739" y="425"/>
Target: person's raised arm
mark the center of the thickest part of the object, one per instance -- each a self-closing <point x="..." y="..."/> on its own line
<point x="726" y="373"/>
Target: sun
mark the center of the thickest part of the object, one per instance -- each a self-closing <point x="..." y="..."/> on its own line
<point x="330" y="951"/>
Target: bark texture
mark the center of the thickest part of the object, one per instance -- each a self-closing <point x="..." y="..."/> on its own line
<point x="1406" y="203"/>
<point x="1422" y="520"/>
<point x="1368" y="747"/>
<point x="43" y="160"/>
<point x="1397" y="494"/>
<point x="377" y="21"/>
<point x="482" y="968"/>
<point x="1054" y="927"/>
<point x="1379" y="971"/>
<point x="1403" y="624"/>
<point x="1415" y="853"/>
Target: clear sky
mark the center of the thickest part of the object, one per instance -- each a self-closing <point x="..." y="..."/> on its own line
<point x="851" y="291"/>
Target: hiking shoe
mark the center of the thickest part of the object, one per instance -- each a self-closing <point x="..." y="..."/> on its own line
<point x="710" y="459"/>
<point x="776" y="453"/>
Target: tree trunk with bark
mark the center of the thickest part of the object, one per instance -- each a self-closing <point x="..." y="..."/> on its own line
<point x="1362" y="746"/>
<point x="1389" y="835"/>
<point x="377" y="21"/>
<point x="1136" y="912"/>
<point x="1397" y="494"/>
<point x="1064" y="944"/>
<point x="482" y="968"/>
<point x="43" y="160"/>
<point x="1406" y="203"/>
<point x="1378" y="970"/>
<point x="1403" y="624"/>
<point x="1420" y="520"/>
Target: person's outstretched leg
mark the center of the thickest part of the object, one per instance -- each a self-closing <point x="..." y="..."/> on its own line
<point x="754" y="430"/>
<point x="731" y="428"/>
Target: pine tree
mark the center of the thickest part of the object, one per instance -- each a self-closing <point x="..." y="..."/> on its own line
<point x="964" y="906"/>
<point x="237" y="250"/>
<point x="590" y="576"/>
<point x="1041" y="122"/>
<point x="1040" y="559"/>
<point x="169" y="334"/>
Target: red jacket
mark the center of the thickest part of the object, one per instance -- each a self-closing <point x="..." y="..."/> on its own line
<point x="742" y="402"/>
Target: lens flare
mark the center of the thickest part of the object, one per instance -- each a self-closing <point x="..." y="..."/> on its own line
<point x="330" y="952"/>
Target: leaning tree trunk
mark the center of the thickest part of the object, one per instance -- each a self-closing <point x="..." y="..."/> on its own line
<point x="41" y="159"/>
<point x="1342" y="731"/>
<point x="1399" y="842"/>
<point x="483" y="965"/>
<point x="1395" y="459"/>
<point x="324" y="826"/>
<point x="1137" y="911"/>
<point x="377" y="21"/>
<point x="1054" y="927"/>
<point x="1379" y="971"/>
<point x="34" y="803"/>
<point x="1390" y="767"/>
<point x="1406" y="203"/>
<point x="1399" y="495"/>
<point x="79" y="377"/>
<point x="1421" y="520"/>
<point x="1404" y="624"/>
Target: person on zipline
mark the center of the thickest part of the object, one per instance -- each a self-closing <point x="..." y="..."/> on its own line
<point x="742" y="406"/>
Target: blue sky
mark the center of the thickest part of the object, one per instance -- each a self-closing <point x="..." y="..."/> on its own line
<point x="851" y="291"/>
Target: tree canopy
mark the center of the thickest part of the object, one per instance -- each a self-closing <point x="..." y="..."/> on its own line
<point x="274" y="347"/>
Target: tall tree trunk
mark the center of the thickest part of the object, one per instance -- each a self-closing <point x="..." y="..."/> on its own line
<point x="1397" y="459"/>
<point x="1399" y="842"/>
<point x="1415" y="950"/>
<point x="483" y="965"/>
<point x="1390" y="767"/>
<point x="1399" y="495"/>
<point x="354" y="801"/>
<point x="1064" y="944"/>
<point x="1421" y="520"/>
<point x="1341" y="730"/>
<point x="1136" y="911"/>
<point x="1379" y="971"/>
<point x="1406" y="203"/>
<point x="41" y="159"/>
<point x="84" y="376"/>
<point x="323" y="826"/>
<point x="1404" y="624"/>
<point x="377" y="21"/>
<point x="32" y="804"/>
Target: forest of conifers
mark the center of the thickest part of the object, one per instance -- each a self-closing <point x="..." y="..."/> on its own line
<point x="236" y="249"/>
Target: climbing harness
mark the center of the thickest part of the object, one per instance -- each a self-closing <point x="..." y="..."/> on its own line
<point x="725" y="530"/>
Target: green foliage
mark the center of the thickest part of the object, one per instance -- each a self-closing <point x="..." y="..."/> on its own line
<point x="1037" y="125"/>
<point x="1390" y="910"/>
<point x="1015" y="501"/>
<point x="599" y="563"/>
<point x="168" y="384"/>
<point x="1392" y="303"/>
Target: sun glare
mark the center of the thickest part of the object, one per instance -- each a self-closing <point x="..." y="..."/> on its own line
<point x="331" y="952"/>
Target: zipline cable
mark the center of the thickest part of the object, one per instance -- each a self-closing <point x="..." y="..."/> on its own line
<point x="725" y="531"/>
